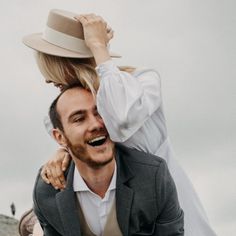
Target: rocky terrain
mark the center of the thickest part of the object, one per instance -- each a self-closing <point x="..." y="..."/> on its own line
<point x="8" y="226"/>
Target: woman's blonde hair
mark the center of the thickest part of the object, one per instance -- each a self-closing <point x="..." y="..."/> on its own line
<point x="70" y="71"/>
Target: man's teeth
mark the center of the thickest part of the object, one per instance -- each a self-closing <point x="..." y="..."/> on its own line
<point x="97" y="139"/>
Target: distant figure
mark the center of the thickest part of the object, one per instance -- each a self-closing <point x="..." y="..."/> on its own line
<point x="13" y="209"/>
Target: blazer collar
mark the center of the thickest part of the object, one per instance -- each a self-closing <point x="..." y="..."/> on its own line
<point x="124" y="194"/>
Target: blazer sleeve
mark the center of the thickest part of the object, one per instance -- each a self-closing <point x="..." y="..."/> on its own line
<point x="170" y="221"/>
<point x="125" y="101"/>
<point x="48" y="230"/>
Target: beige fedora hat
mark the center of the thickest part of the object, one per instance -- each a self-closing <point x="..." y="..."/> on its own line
<point x="63" y="36"/>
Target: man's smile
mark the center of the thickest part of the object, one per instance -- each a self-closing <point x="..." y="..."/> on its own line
<point x="97" y="141"/>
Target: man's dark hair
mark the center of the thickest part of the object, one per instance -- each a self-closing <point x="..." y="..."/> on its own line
<point x="53" y="113"/>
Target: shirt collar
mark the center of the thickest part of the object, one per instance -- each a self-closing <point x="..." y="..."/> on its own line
<point x="79" y="184"/>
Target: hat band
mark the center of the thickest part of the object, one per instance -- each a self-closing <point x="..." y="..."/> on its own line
<point x="65" y="41"/>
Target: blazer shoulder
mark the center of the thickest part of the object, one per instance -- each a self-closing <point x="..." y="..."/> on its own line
<point x="42" y="190"/>
<point x="138" y="157"/>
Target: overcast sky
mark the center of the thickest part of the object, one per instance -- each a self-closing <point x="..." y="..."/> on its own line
<point x="191" y="43"/>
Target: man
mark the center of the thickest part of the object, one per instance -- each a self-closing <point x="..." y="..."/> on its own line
<point x="111" y="190"/>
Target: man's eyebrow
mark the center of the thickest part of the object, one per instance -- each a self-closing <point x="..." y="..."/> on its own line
<point x="75" y="113"/>
<point x="80" y="112"/>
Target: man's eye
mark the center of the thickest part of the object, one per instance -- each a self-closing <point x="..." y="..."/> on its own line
<point x="80" y="119"/>
<point x="96" y="113"/>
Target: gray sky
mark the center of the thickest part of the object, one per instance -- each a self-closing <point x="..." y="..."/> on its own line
<point x="192" y="45"/>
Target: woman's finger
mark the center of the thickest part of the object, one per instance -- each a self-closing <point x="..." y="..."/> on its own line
<point x="49" y="176"/>
<point x="59" y="177"/>
<point x="99" y="18"/>
<point x="109" y="29"/>
<point x="65" y="161"/>
<point x="44" y="176"/>
<point x="81" y="19"/>
<point x="54" y="173"/>
<point x="90" y="16"/>
<point x="110" y="35"/>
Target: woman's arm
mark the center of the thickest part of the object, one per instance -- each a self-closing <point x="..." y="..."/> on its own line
<point x="97" y="36"/>
<point x="125" y="101"/>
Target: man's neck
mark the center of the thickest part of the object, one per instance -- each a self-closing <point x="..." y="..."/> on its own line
<point x="97" y="179"/>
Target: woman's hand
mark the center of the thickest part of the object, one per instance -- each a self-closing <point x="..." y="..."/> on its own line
<point x="53" y="171"/>
<point x="97" y="34"/>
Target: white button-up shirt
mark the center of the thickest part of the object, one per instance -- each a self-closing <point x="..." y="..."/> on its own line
<point x="95" y="208"/>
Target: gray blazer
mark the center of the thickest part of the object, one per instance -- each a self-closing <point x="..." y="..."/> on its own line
<point x="146" y="199"/>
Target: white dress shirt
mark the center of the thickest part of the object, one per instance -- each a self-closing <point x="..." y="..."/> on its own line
<point x="95" y="208"/>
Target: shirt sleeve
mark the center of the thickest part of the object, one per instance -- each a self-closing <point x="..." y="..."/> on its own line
<point x="125" y="101"/>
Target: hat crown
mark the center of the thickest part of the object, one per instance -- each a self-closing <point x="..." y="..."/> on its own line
<point x="64" y="22"/>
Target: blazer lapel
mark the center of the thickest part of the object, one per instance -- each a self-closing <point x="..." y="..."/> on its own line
<point x="66" y="203"/>
<point x="124" y="194"/>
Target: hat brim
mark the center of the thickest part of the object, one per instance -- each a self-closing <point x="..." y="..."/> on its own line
<point x="36" y="42"/>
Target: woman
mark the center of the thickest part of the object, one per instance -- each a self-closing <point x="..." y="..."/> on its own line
<point x="129" y="101"/>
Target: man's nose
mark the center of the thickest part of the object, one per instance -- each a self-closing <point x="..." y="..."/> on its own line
<point x="96" y="123"/>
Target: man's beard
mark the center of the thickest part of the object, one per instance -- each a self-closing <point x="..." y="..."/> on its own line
<point x="79" y="152"/>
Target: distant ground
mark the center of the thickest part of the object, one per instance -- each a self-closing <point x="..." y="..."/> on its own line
<point x="8" y="226"/>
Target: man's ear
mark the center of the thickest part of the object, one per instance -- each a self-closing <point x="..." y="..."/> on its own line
<point x="59" y="137"/>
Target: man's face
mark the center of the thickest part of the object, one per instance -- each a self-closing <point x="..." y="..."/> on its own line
<point x="84" y="130"/>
